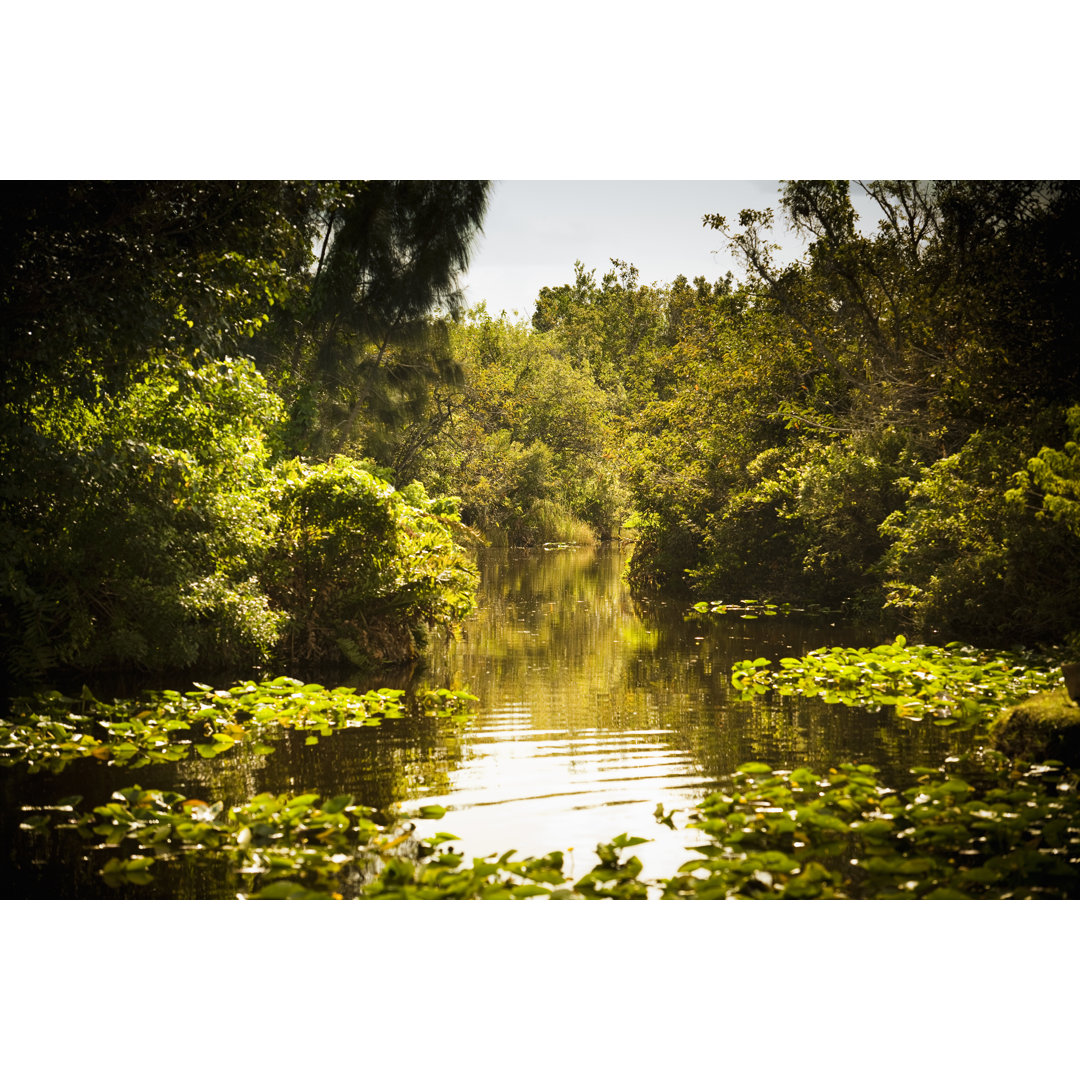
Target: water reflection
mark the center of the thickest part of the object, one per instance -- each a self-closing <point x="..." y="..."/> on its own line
<point x="592" y="710"/>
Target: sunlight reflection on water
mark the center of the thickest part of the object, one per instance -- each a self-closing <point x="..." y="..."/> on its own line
<point x="593" y="710"/>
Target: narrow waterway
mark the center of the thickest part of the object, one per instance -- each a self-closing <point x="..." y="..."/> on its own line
<point x="593" y="709"/>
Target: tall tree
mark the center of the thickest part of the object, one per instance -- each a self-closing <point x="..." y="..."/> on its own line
<point x="362" y="344"/>
<point x="96" y="276"/>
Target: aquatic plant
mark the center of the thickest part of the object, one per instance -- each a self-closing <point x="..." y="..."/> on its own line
<point x="974" y="827"/>
<point x="752" y="609"/>
<point x="956" y="684"/>
<point x="285" y="846"/>
<point x="50" y="730"/>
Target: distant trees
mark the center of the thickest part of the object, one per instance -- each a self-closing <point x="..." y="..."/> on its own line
<point x="207" y="389"/>
<point x="526" y="440"/>
<point x="851" y="425"/>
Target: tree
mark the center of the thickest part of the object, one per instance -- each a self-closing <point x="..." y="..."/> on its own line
<point x="137" y="438"/>
<point x="856" y="416"/>
<point x="360" y="352"/>
<point x="527" y="439"/>
<point x="94" y="277"/>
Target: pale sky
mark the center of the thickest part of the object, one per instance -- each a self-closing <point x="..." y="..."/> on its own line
<point x="535" y="230"/>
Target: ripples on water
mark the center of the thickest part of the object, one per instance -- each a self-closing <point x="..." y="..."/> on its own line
<point x="592" y="709"/>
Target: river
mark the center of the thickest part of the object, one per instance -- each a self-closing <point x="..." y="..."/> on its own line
<point x="593" y="709"/>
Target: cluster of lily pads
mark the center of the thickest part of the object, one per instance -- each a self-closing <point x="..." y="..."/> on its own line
<point x="956" y="685"/>
<point x="307" y="847"/>
<point x="51" y="730"/>
<point x="752" y="609"/>
<point x="975" y="827"/>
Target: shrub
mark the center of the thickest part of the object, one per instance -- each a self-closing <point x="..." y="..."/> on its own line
<point x="970" y="560"/>
<point x="358" y="566"/>
<point x="133" y="535"/>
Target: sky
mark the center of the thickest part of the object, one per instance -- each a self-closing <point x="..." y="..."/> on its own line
<point x="535" y="230"/>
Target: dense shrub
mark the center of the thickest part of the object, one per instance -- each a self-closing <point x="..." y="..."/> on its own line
<point x="152" y="532"/>
<point x="133" y="537"/>
<point x="807" y="524"/>
<point x="972" y="562"/>
<point x="359" y="567"/>
<point x="525" y="440"/>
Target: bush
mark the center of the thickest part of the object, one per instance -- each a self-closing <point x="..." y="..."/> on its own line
<point x="972" y="561"/>
<point x="806" y="527"/>
<point x="359" y="567"/>
<point x="134" y="531"/>
<point x="151" y="532"/>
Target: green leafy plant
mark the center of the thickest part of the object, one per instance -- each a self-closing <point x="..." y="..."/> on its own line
<point x="300" y="847"/>
<point x="956" y="685"/>
<point x="360" y="567"/>
<point x="752" y="609"/>
<point x="50" y="730"/>
<point x="978" y="827"/>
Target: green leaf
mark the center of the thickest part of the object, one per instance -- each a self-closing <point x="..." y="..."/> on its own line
<point x="520" y="892"/>
<point x="336" y="804"/>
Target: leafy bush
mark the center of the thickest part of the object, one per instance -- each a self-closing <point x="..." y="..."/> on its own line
<point x="359" y="567"/>
<point x="134" y="536"/>
<point x="971" y="561"/>
<point x="152" y="532"/>
<point x="525" y="440"/>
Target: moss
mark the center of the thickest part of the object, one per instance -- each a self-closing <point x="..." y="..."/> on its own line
<point x="1045" y="726"/>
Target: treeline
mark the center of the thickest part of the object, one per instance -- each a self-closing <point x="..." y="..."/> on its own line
<point x="182" y="365"/>
<point x="244" y="421"/>
<point x="892" y="422"/>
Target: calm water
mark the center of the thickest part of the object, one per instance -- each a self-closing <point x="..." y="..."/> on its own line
<point x="592" y="710"/>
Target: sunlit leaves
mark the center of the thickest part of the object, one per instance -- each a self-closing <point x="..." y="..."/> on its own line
<point x="955" y="685"/>
<point x="751" y="609"/>
<point x="976" y="827"/>
<point x="49" y="731"/>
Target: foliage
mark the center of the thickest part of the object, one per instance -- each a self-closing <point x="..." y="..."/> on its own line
<point x="612" y="878"/>
<point x="977" y="829"/>
<point x="288" y="846"/>
<point x="1054" y="475"/>
<point x="359" y="351"/>
<point x="526" y="440"/>
<point x="607" y="331"/>
<point x="137" y="434"/>
<point x="97" y="276"/>
<point x="296" y="847"/>
<point x="359" y="566"/>
<point x="978" y="826"/>
<point x="134" y="533"/>
<point x="753" y="609"/>
<point x="969" y="559"/>
<point x="47" y="731"/>
<point x="848" y="426"/>
<point x="957" y="684"/>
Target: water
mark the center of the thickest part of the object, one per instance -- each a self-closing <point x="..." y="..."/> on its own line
<point x="593" y="709"/>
